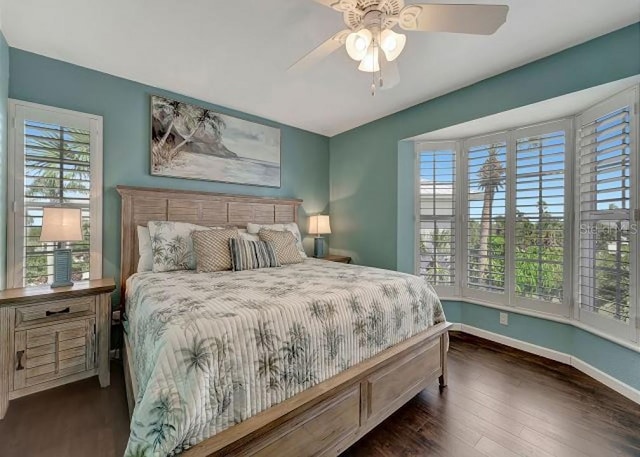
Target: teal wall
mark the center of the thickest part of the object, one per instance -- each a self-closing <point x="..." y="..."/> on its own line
<point x="4" y="95"/>
<point x="615" y="360"/>
<point x="372" y="183"/>
<point x="124" y="106"/>
<point x="406" y="208"/>
<point x="369" y="194"/>
<point x="366" y="173"/>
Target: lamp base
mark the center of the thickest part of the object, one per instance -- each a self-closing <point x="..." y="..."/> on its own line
<point x="61" y="268"/>
<point x="318" y="247"/>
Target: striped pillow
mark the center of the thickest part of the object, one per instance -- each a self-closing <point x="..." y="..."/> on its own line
<point x="251" y="255"/>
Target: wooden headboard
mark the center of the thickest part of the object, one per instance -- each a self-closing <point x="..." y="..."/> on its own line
<point x="143" y="204"/>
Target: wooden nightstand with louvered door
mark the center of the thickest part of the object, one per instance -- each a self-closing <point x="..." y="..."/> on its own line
<point x="50" y="337"/>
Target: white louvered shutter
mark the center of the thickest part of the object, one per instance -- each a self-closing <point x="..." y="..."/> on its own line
<point x="486" y="210"/>
<point x="540" y="192"/>
<point x="52" y="162"/>
<point x="437" y="200"/>
<point x="607" y="198"/>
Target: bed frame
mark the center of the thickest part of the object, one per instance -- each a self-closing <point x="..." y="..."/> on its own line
<point x="325" y="419"/>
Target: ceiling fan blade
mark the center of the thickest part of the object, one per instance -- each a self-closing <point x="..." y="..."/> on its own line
<point x="390" y="73"/>
<point x="474" y="19"/>
<point x="321" y="52"/>
<point x="339" y="5"/>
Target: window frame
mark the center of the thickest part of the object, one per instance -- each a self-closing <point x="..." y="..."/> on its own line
<point x="463" y="218"/>
<point x="19" y="111"/>
<point x="543" y="306"/>
<point x="418" y="149"/>
<point x="569" y="310"/>
<point x="629" y="331"/>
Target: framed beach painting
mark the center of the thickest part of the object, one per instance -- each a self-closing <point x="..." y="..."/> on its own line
<point x="192" y="142"/>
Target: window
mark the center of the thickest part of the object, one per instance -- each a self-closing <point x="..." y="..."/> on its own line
<point x="543" y="217"/>
<point x="56" y="158"/>
<point x="539" y="220"/>
<point x="437" y="204"/>
<point x="606" y="200"/>
<point x="486" y="210"/>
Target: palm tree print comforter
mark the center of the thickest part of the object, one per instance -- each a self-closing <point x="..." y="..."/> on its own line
<point x="211" y="350"/>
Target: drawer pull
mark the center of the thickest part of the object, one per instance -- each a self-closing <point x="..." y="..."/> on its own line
<point x="62" y="311"/>
<point x="19" y="356"/>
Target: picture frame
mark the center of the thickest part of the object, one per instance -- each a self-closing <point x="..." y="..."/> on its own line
<point x="194" y="142"/>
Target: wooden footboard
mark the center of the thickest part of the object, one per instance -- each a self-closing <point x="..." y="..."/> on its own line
<point x="329" y="417"/>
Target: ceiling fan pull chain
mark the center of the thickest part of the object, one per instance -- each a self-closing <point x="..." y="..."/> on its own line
<point x="373" y="66"/>
<point x="380" y="50"/>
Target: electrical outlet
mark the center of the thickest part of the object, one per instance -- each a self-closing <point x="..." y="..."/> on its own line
<point x="504" y="318"/>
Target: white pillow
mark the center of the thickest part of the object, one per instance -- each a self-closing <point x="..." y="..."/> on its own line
<point x="145" y="253"/>
<point x="172" y="245"/>
<point x="291" y="227"/>
<point x="247" y="236"/>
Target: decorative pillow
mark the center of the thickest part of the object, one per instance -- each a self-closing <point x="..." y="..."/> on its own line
<point x="284" y="243"/>
<point x="291" y="227"/>
<point x="212" y="249"/>
<point x="145" y="253"/>
<point x="251" y="255"/>
<point x="172" y="245"/>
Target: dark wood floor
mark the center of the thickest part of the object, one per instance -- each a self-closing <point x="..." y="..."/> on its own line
<point x="500" y="402"/>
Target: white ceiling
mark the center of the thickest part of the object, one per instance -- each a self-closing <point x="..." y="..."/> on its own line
<point x="236" y="53"/>
<point x="536" y="113"/>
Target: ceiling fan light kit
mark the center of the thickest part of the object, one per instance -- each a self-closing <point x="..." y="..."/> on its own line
<point x="370" y="30"/>
<point x="392" y="43"/>
<point x="358" y="43"/>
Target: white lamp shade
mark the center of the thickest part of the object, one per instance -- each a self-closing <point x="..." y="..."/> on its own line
<point x="319" y="225"/>
<point x="61" y="224"/>
<point x="392" y="44"/>
<point x="371" y="62"/>
<point x="357" y="44"/>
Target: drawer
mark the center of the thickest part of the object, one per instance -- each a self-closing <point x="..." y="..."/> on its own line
<point x="403" y="379"/>
<point x="46" y="353"/>
<point x="322" y="426"/>
<point x="55" y="310"/>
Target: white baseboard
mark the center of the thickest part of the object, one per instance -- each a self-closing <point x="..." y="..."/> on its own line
<point x="456" y="327"/>
<point x="589" y="370"/>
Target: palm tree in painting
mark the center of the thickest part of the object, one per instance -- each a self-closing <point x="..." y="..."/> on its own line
<point x="203" y="121"/>
<point x="171" y="109"/>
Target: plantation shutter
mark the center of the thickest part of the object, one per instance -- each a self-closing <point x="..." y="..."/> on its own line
<point x="53" y="165"/>
<point x="437" y="250"/>
<point x="607" y="198"/>
<point x="486" y="210"/>
<point x="540" y="189"/>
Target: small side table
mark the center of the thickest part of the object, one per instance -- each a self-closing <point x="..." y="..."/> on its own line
<point x="338" y="258"/>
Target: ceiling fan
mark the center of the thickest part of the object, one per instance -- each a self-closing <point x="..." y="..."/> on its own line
<point x="370" y="39"/>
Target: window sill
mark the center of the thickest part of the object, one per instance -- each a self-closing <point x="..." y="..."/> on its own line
<point x="550" y="317"/>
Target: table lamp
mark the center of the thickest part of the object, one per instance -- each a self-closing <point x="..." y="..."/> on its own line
<point x="61" y="225"/>
<point x="319" y="225"/>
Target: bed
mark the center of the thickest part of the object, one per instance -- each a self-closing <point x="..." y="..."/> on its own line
<point x="298" y="360"/>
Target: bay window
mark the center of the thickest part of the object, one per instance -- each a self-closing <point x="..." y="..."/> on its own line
<point x="607" y="202"/>
<point x="541" y="217"/>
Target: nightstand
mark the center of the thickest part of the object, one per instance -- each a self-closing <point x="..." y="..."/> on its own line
<point x="50" y="337"/>
<point x="337" y="258"/>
